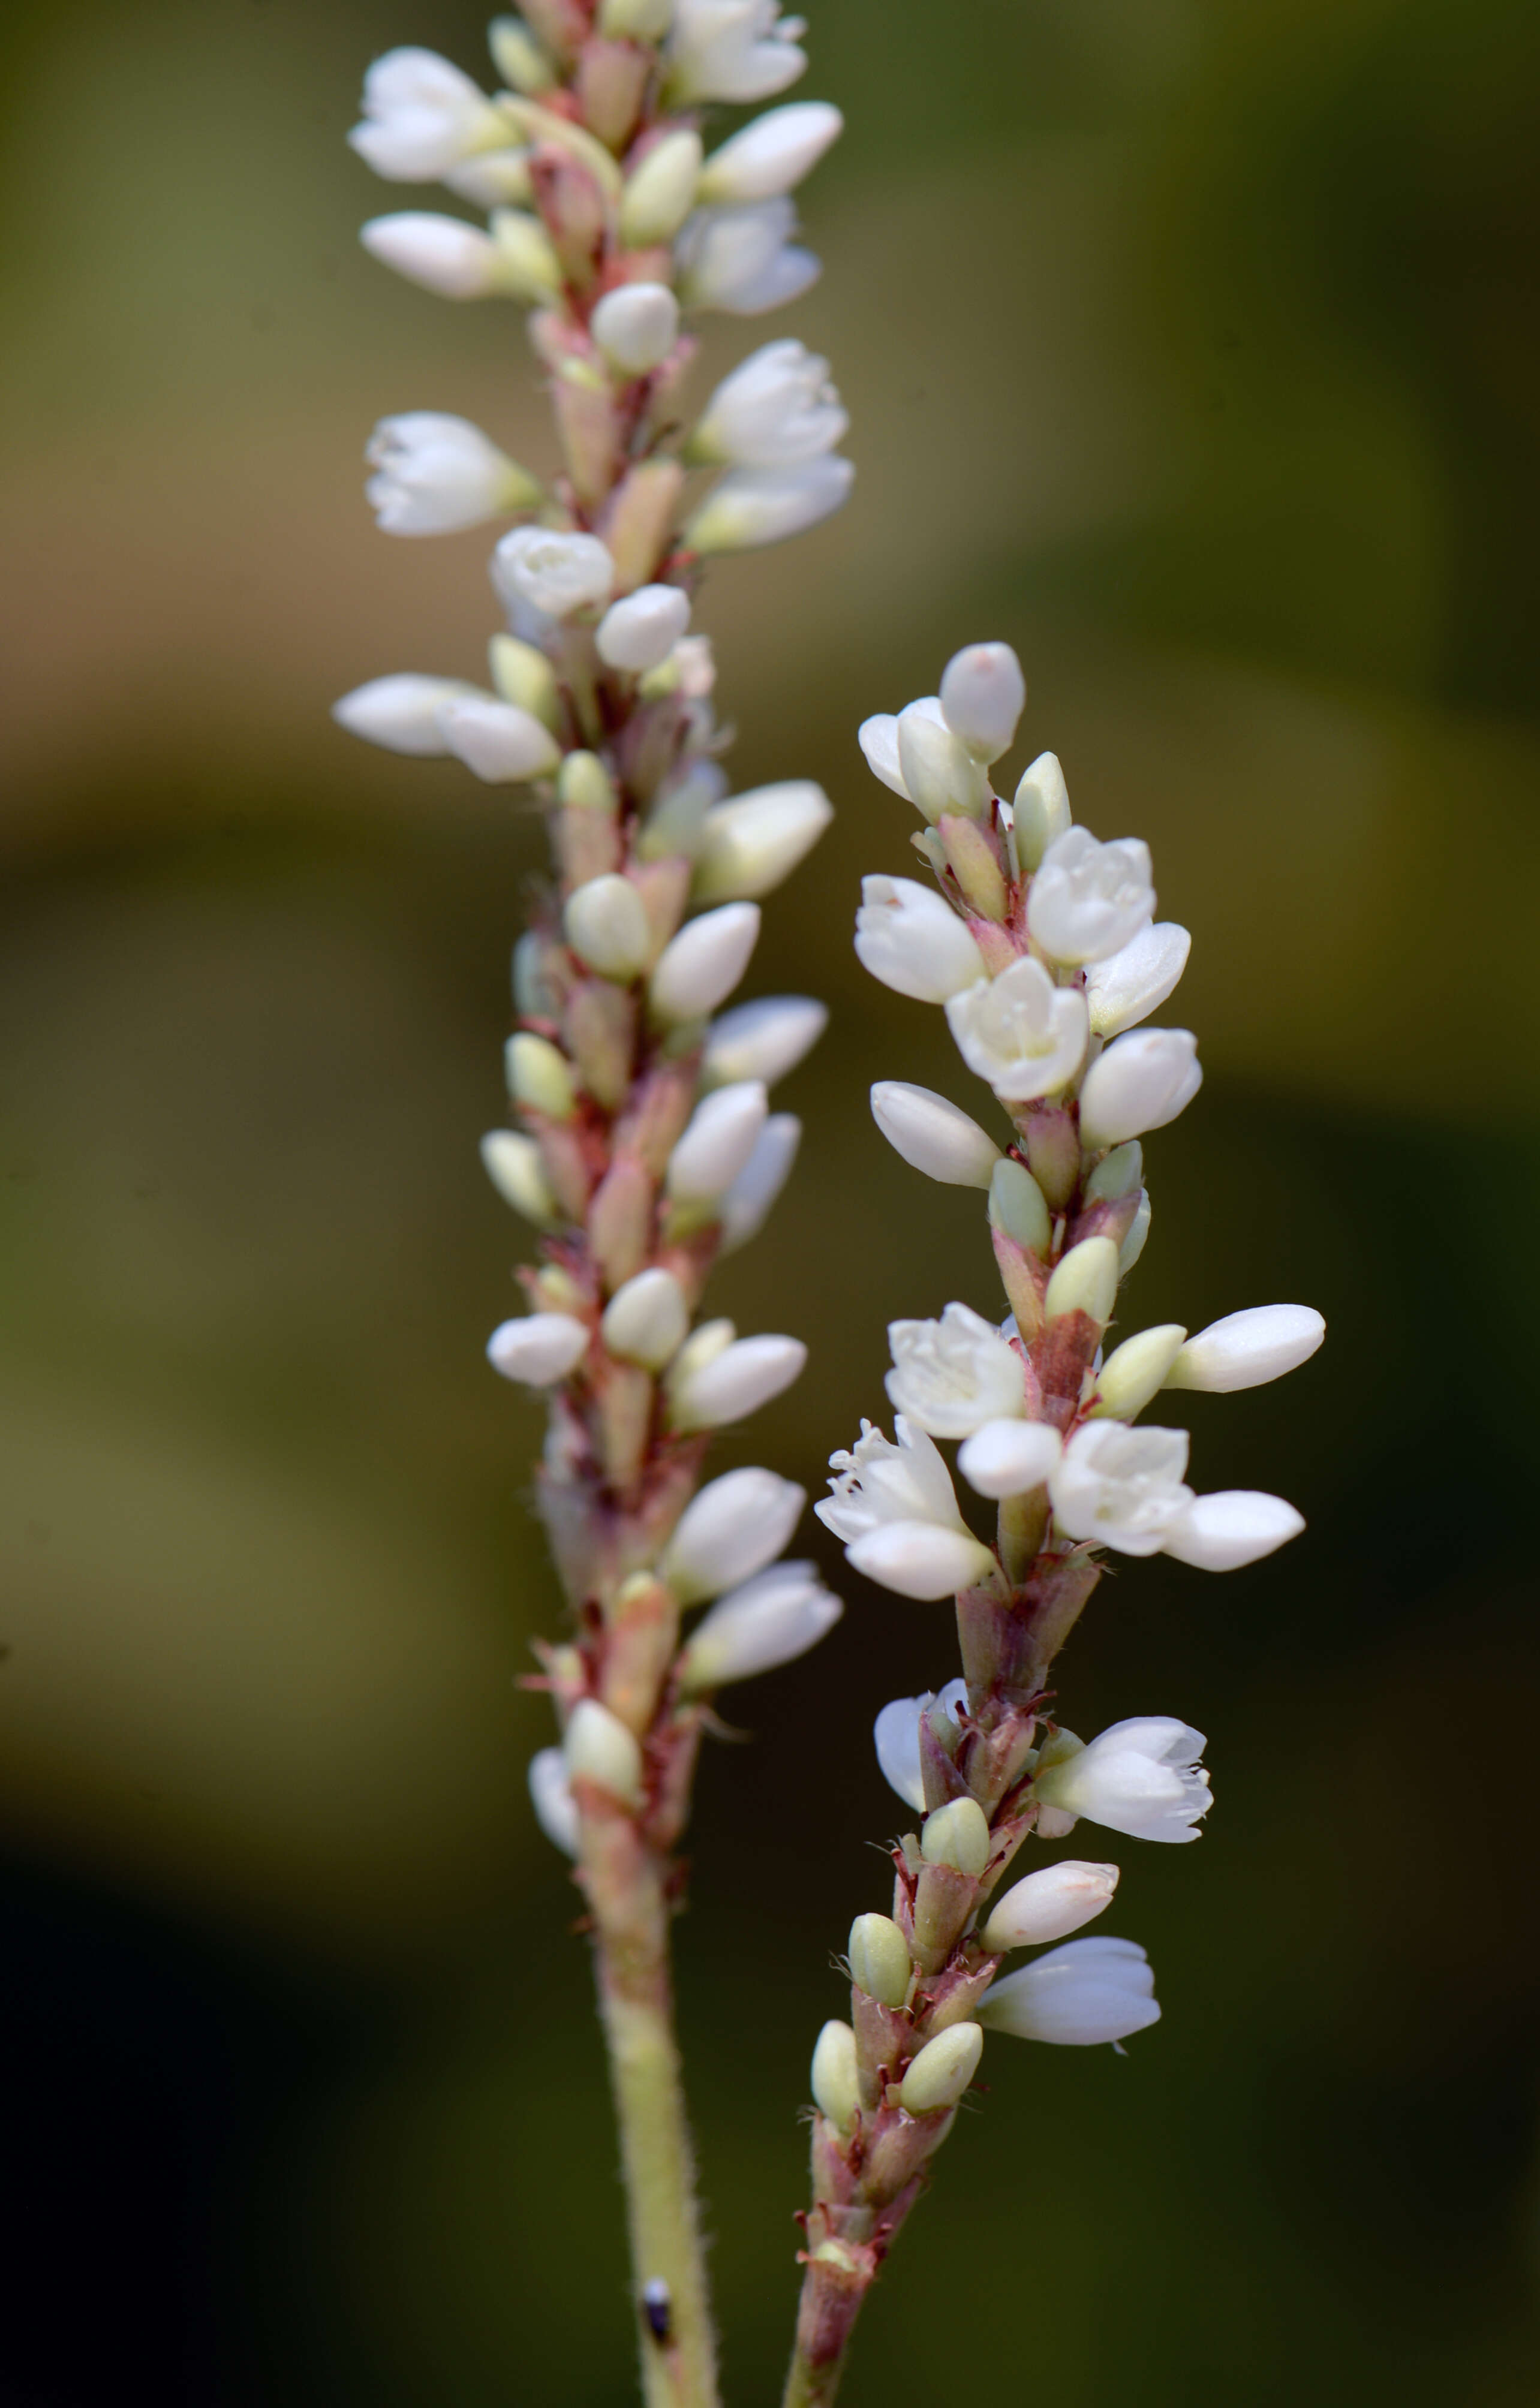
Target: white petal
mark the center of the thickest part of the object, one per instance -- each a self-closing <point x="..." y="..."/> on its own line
<point x="1230" y="1527"/>
<point x="1005" y="1458"/>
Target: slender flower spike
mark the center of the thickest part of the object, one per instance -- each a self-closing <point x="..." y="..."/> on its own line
<point x="1086" y="1992"/>
<point x="1142" y="1778"/>
<point x="909" y="936"/>
<point x="434" y="473"/>
<point x="770" y="1620"/>
<point x="1020" y="1032"/>
<point x="1088" y="899"/>
<point x="1247" y="1348"/>
<point x="951" y="1376"/>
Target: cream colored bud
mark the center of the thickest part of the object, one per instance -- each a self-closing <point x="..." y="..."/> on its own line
<point x="585" y="784"/>
<point x="1042" y="810"/>
<point x="514" y="1167"/>
<point x="1049" y="1905"/>
<point x="836" y="2084"/>
<point x="539" y="1076"/>
<point x="605" y="923"/>
<point x="660" y="196"/>
<point x="1136" y="1371"/>
<point x="645" y="1320"/>
<point x="1084" y="1282"/>
<point x="1117" y="1174"/>
<point x="879" y="1959"/>
<point x="599" y="1748"/>
<point x="1018" y="1207"/>
<point x="636" y="327"/>
<point x="523" y="675"/>
<point x="942" y="2070"/>
<point x="518" y="57"/>
<point x="957" y="1835"/>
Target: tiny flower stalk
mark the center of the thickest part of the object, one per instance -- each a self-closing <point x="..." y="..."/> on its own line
<point x="642" y="1141"/>
<point x="1040" y="943"/>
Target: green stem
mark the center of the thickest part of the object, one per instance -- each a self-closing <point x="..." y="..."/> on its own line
<point x="626" y="1883"/>
<point x="809" y="2386"/>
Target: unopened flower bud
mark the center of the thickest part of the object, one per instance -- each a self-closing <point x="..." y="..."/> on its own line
<point x="763" y="1040"/>
<point x="1040" y="811"/>
<point x="518" y="57"/>
<point x="443" y="255"/>
<point x="504" y="745"/>
<point x="909" y="936"/>
<point x="754" y="507"/>
<point x="768" y="1622"/>
<point x="605" y="923"/>
<point x="660" y="196"/>
<point x="731" y="1530"/>
<point x="745" y="1376"/>
<point x="921" y="1559"/>
<point x="958" y="1834"/>
<point x="1018" y="1207"/>
<point x="743" y="1209"/>
<point x="636" y="327"/>
<point x="599" y="1748"/>
<point x="641" y="629"/>
<point x="836" y="2083"/>
<point x="879" y="1959"/>
<point x="983" y="694"/>
<point x="1084" y="1282"/>
<point x="538" y="1350"/>
<point x="717" y="1143"/>
<point x="751" y="842"/>
<point x="523" y="675"/>
<point x="1245" y="1349"/>
<point x="516" y="1170"/>
<point x="526" y="258"/>
<point x="585" y="784"/>
<point x="1230" y="1529"/>
<point x="771" y="154"/>
<point x="551" y="1795"/>
<point x="1141" y="1083"/>
<point x="1117" y="1175"/>
<point x="404" y="713"/>
<point x="645" y="1320"/>
<point x="1089" y="1992"/>
<point x="1007" y="1459"/>
<point x="435" y="473"/>
<point x="932" y="1135"/>
<point x="1137" y="1371"/>
<point x="1134" y="982"/>
<point x="937" y="2078"/>
<point x="539" y="1076"/>
<point x="700" y="967"/>
<point x="940" y="774"/>
<point x="1049" y="1905"/>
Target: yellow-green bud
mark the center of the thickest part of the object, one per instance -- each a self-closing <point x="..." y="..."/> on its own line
<point x="879" y="1959"/>
<point x="1084" y="1282"/>
<point x="1133" y="1244"/>
<point x="942" y="2070"/>
<point x="1136" y="1371"/>
<point x="957" y="1835"/>
<point x="585" y="784"/>
<point x="660" y="196"/>
<point x="514" y="1167"/>
<point x="1042" y="810"/>
<point x="522" y="673"/>
<point x="518" y="57"/>
<point x="599" y="1748"/>
<point x="539" y="1076"/>
<point x="836" y="2086"/>
<point x="1017" y="1205"/>
<point x="1117" y="1175"/>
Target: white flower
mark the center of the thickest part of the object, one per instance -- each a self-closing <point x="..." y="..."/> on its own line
<point x="744" y="1209"/>
<point x="1230" y="1527"/>
<point x="750" y="842"/>
<point x="897" y="1733"/>
<point x="605" y="923"/>
<point x="742" y="260"/>
<point x="1121" y="1487"/>
<point x="402" y="714"/>
<point x="551" y="1795"/>
<point x="1020" y="1032"/>
<point x="538" y="1349"/>
<point x="754" y="507"/>
<point x="909" y="936"/>
<point x="717" y="1143"/>
<point x="878" y="738"/>
<point x="953" y="1375"/>
<point x="932" y="1135"/>
<point x="1087" y="1991"/>
<point x="895" y="1510"/>
<point x="700" y="967"/>
<point x="551" y="571"/>
<point x="504" y="745"/>
<point x="646" y="1319"/>
<point x="1245" y="1349"/>
<point x="770" y="1620"/>
<point x="775" y="411"/>
<point x="983" y="694"/>
<point x="1089" y="899"/>
<point x="435" y="473"/>
<point x="731" y="1530"/>
<point x="1134" y="982"/>
<point x="1139" y="1084"/>
<point x="1049" y="1905"/>
<point x="732" y="50"/>
<point x="442" y="254"/>
<point x="422" y="117"/>
<point x="763" y="1040"/>
<point x="1142" y="1778"/>
<point x="599" y="1748"/>
<point x="1005" y="1459"/>
<point x="636" y="327"/>
<point x="773" y="154"/>
<point x="641" y="629"/>
<point x="745" y="1375"/>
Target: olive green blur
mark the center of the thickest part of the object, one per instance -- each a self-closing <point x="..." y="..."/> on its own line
<point x="1189" y="345"/>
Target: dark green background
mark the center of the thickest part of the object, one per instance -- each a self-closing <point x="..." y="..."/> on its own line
<point x="1191" y="345"/>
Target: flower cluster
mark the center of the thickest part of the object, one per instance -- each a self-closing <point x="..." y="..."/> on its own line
<point x="1040" y="942"/>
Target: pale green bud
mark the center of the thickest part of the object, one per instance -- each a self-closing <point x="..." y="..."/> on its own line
<point x="1133" y="1244"/>
<point x="957" y="1835"/>
<point x="635" y="20"/>
<point x="531" y="269"/>
<point x="539" y="1076"/>
<point x="1136" y="1371"/>
<point x="1084" y="1282"/>
<point x="514" y="1167"/>
<point x="940" y="774"/>
<point x="518" y="57"/>
<point x="606" y="924"/>
<point x="522" y="673"/>
<point x="836" y="2084"/>
<point x="1117" y="1175"/>
<point x="585" y="784"/>
<point x="879" y="1959"/>
<point x="942" y="2070"/>
<point x="645" y="1320"/>
<point x="1017" y="1205"/>
<point x="660" y="196"/>
<point x="1042" y="810"/>
<point x="702" y="1347"/>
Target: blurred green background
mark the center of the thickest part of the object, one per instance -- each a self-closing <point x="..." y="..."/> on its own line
<point x="1192" y="346"/>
